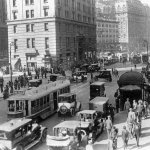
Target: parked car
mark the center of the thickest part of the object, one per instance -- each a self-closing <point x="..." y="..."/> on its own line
<point x="55" y="77"/>
<point x="105" y="74"/>
<point x="93" y="68"/>
<point x="21" y="134"/>
<point x="77" y="76"/>
<point x="67" y="104"/>
<point x="35" y="82"/>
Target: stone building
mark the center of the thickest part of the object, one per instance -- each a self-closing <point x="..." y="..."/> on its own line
<point x="133" y="18"/>
<point x="106" y="26"/>
<point x="51" y="33"/>
<point x="3" y="34"/>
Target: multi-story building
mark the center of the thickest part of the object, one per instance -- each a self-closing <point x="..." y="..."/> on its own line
<point x="107" y="26"/>
<point x="133" y="26"/>
<point x="3" y="34"/>
<point x="51" y="32"/>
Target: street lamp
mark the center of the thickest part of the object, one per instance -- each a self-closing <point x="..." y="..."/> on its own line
<point x="11" y="44"/>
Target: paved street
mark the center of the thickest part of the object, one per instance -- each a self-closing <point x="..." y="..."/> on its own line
<point x="82" y="91"/>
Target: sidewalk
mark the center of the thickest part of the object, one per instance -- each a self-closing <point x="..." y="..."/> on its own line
<point x="120" y="121"/>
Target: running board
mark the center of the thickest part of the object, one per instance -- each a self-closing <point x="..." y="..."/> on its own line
<point x="32" y="144"/>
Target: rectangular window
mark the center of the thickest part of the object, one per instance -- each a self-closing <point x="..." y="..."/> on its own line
<point x="15" y="45"/>
<point x="15" y="27"/>
<point x="46" y="42"/>
<point x="33" y="42"/>
<point x="27" y="2"/>
<point x="27" y="13"/>
<point x="45" y="1"/>
<point x="46" y="26"/>
<point x="14" y="3"/>
<point x="59" y="12"/>
<point x="28" y="43"/>
<point x="14" y="15"/>
<point x="32" y="27"/>
<point x="32" y="2"/>
<point x="32" y="13"/>
<point x="45" y="12"/>
<point x="27" y="28"/>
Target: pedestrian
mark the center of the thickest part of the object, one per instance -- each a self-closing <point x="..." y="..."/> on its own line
<point x="117" y="104"/>
<point x="135" y="66"/>
<point x="137" y="133"/>
<point x="108" y="125"/>
<point x="111" y="111"/>
<point x="139" y="109"/>
<point x="127" y="105"/>
<point x="114" y="137"/>
<point x="145" y="108"/>
<point x="134" y="105"/>
<point x="125" y="137"/>
<point x="1" y="84"/>
<point x="45" y="72"/>
<point x="130" y="121"/>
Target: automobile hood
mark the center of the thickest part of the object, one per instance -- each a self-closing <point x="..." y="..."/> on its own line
<point x="5" y="145"/>
<point x="68" y="105"/>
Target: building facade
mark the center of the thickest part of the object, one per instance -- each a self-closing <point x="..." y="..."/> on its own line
<point x="51" y="33"/>
<point x="106" y="26"/>
<point x="133" y="18"/>
<point x="3" y="34"/>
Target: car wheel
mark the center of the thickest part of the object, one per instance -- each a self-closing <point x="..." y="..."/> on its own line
<point x="19" y="147"/>
<point x="72" y="112"/>
<point x="59" y="114"/>
<point x="44" y="134"/>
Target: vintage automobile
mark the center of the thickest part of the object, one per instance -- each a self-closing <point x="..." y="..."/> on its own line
<point x="95" y="120"/>
<point x="55" y="77"/>
<point x="77" y="76"/>
<point x="97" y="89"/>
<point x="35" y="82"/>
<point x="93" y="68"/>
<point x="21" y="134"/>
<point x="67" y="104"/>
<point x="105" y="74"/>
<point x="72" y="128"/>
<point x="100" y="104"/>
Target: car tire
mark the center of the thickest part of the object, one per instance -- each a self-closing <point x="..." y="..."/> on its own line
<point x="19" y="147"/>
<point x="59" y="114"/>
<point x="44" y="135"/>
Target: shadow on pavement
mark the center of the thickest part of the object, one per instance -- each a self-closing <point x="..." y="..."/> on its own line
<point x="146" y="128"/>
<point x="120" y="117"/>
<point x="145" y="134"/>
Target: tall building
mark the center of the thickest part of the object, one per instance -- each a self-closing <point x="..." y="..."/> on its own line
<point x="133" y="24"/>
<point x="106" y="26"/>
<point x="3" y="34"/>
<point x="51" y="33"/>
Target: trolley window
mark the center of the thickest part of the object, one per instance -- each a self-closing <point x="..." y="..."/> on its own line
<point x="11" y="106"/>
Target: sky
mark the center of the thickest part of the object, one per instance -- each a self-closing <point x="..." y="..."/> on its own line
<point x="146" y="2"/>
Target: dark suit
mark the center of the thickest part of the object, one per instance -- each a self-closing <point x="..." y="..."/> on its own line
<point x="137" y="133"/>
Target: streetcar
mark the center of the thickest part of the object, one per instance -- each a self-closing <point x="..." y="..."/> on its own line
<point x="37" y="102"/>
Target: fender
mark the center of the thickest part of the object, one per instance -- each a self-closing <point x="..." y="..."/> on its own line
<point x="42" y="130"/>
<point x="78" y="105"/>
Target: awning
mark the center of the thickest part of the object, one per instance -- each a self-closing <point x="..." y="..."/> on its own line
<point x="130" y="88"/>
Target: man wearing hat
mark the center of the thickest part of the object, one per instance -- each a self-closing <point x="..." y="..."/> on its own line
<point x="108" y="125"/>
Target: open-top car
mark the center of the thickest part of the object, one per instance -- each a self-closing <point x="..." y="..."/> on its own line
<point x="71" y="129"/>
<point x="21" y="134"/>
<point x="105" y="74"/>
<point x="77" y="76"/>
<point x="67" y="104"/>
<point x="95" y="120"/>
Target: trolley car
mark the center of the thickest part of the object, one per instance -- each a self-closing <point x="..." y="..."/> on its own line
<point x="38" y="102"/>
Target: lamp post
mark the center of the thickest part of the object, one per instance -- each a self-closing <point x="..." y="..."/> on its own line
<point x="145" y="41"/>
<point x="11" y="44"/>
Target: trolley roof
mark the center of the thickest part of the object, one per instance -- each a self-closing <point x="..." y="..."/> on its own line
<point x="66" y="94"/>
<point x="14" y="124"/>
<point x="43" y="90"/>
<point x="98" y="83"/>
<point x="72" y="124"/>
<point x="99" y="100"/>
